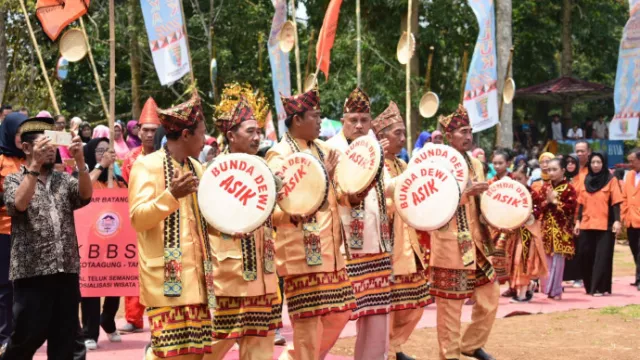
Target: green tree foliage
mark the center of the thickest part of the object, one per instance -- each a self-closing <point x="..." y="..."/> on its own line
<point x="449" y="25"/>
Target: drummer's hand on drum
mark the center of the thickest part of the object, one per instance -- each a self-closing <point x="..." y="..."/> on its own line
<point x="183" y="184"/>
<point x="331" y="161"/>
<point x="477" y="188"/>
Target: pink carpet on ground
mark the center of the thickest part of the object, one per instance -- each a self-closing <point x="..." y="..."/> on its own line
<point x="573" y="299"/>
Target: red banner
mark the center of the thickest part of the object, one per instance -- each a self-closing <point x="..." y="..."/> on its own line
<point x="327" y="36"/>
<point x="107" y="245"/>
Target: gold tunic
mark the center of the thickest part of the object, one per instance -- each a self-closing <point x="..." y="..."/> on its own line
<point x="149" y="204"/>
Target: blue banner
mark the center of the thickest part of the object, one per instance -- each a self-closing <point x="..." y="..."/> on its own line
<point x="624" y="125"/>
<point x="279" y="64"/>
<point x="167" y="40"/>
<point x="480" y="91"/>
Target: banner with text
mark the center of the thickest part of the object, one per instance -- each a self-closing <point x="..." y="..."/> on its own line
<point x="480" y="91"/>
<point x="107" y="245"/>
<point x="167" y="40"/>
<point x="279" y="64"/>
<point x="626" y="97"/>
<point x="614" y="149"/>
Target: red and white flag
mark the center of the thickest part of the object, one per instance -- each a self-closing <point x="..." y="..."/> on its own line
<point x="327" y="36"/>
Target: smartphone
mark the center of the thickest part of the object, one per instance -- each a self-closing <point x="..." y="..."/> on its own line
<point x="59" y="138"/>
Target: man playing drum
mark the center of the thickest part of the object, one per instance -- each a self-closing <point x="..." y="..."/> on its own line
<point x="459" y="266"/>
<point x="248" y="305"/>
<point x="318" y="291"/>
<point x="172" y="238"/>
<point x="369" y="240"/>
<point x="409" y="289"/>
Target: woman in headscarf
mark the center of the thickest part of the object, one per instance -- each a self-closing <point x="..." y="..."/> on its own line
<point x="543" y="178"/>
<point x="98" y="158"/>
<point x="558" y="210"/>
<point x="206" y="153"/>
<point x="74" y="124"/>
<point x="119" y="144"/>
<point x="85" y="132"/>
<point x="100" y="131"/>
<point x="572" y="270"/>
<point x="597" y="224"/>
<point x="11" y="159"/>
<point x="133" y="141"/>
<point x="423" y="138"/>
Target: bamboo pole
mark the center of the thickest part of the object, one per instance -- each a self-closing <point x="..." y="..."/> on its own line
<point x="260" y="42"/>
<point x="297" y="49"/>
<point x="186" y="35"/>
<point x="95" y="71"/>
<point x="42" y="67"/>
<point x="427" y="80"/>
<point x="359" y="43"/>
<point x="112" y="81"/>
<point x="465" y="64"/>
<point x="408" y="86"/>
<point x="506" y="76"/>
<point x="309" y="53"/>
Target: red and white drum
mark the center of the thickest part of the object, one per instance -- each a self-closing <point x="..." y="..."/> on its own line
<point x="445" y="156"/>
<point x="359" y="165"/>
<point x="237" y="193"/>
<point x="507" y="204"/>
<point x="305" y="184"/>
<point x="426" y="196"/>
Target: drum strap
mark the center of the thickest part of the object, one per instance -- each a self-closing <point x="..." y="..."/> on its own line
<point x="172" y="250"/>
<point x="465" y="242"/>
<point x="310" y="228"/>
<point x="269" y="252"/>
<point x="249" y="258"/>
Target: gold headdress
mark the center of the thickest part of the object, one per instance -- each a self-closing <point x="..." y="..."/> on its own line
<point x="231" y="96"/>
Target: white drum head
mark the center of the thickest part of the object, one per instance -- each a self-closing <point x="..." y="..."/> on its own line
<point x="359" y="165"/>
<point x="406" y="47"/>
<point x="73" y="45"/>
<point x="305" y="184"/>
<point x="509" y="91"/>
<point x="237" y="193"/>
<point x="426" y="196"/>
<point x="445" y="156"/>
<point x="507" y="204"/>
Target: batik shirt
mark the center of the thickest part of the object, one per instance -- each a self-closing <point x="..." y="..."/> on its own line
<point x="43" y="237"/>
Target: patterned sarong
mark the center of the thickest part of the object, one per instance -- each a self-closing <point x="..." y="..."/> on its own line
<point x="317" y="294"/>
<point x="235" y="317"/>
<point x="370" y="276"/>
<point x="410" y="292"/>
<point x="180" y="330"/>
<point x="460" y="283"/>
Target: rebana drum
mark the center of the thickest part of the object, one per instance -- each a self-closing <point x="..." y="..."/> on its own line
<point x="447" y="157"/>
<point x="305" y="184"/>
<point x="426" y="196"/>
<point x="359" y="165"/>
<point x="237" y="193"/>
<point x="507" y="204"/>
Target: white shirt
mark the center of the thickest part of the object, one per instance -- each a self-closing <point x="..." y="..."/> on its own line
<point x="637" y="178"/>
<point x="600" y="129"/>
<point x="574" y="134"/>
<point x="556" y="130"/>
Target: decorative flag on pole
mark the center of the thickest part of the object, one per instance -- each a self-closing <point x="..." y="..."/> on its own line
<point x="480" y="92"/>
<point x="279" y="63"/>
<point x="165" y="30"/>
<point x="327" y="36"/>
<point x="269" y="129"/>
<point x="626" y="96"/>
<point x="55" y="15"/>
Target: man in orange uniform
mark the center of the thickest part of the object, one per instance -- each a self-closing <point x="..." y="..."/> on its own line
<point x="409" y="289"/>
<point x="460" y="266"/>
<point x="149" y="123"/>
<point x="631" y="209"/>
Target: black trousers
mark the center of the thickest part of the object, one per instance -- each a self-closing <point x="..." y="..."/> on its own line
<point x="92" y="320"/>
<point x="596" y="260"/>
<point x="45" y="309"/>
<point x="572" y="270"/>
<point x="634" y="243"/>
<point x="6" y="290"/>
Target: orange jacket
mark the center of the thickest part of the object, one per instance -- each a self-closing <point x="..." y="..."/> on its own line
<point x="630" y="210"/>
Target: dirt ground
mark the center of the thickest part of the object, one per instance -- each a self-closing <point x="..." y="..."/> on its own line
<point x="609" y="333"/>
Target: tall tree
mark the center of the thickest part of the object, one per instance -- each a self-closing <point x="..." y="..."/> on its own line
<point x="567" y="54"/>
<point x="504" y="39"/>
<point x="3" y="53"/>
<point x="134" y="60"/>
